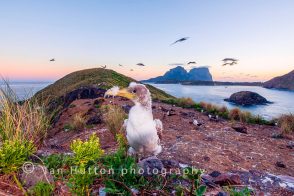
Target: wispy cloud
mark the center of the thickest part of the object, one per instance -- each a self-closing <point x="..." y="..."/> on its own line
<point x="205" y="66"/>
<point x="176" y="64"/>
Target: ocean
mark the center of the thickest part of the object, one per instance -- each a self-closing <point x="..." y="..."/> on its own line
<point x="25" y="90"/>
<point x="282" y="100"/>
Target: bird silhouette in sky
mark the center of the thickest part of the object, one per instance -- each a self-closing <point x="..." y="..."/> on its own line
<point x="229" y="61"/>
<point x="180" y="40"/>
<point x="103" y="67"/>
<point x="52" y="60"/>
<point x="191" y="62"/>
<point x="120" y="65"/>
<point x="140" y="64"/>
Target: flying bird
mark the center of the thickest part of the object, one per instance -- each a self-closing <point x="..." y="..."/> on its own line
<point x="142" y="130"/>
<point x="103" y="67"/>
<point x="140" y="64"/>
<point x="229" y="61"/>
<point x="191" y="62"/>
<point x="52" y="60"/>
<point x="180" y="40"/>
<point x="120" y="65"/>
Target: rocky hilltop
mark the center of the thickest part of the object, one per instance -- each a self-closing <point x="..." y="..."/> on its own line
<point x="281" y="82"/>
<point x="179" y="74"/>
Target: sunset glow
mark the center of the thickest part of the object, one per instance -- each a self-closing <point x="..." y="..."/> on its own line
<point x="93" y="34"/>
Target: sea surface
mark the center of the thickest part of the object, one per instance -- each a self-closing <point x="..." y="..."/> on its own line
<point x="283" y="101"/>
<point x="25" y="90"/>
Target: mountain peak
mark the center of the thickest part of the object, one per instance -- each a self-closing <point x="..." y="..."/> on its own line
<point x="179" y="74"/>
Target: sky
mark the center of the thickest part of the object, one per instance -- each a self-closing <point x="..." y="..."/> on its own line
<point x="94" y="33"/>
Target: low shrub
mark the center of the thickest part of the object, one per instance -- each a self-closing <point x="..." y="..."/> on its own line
<point x="85" y="156"/>
<point x="55" y="162"/>
<point x="194" y="177"/>
<point x="234" y="192"/>
<point x="223" y="109"/>
<point x="246" y="117"/>
<point x="286" y="122"/>
<point x="124" y="174"/>
<point x="86" y="151"/>
<point x="81" y="180"/>
<point x="203" y="104"/>
<point x="42" y="189"/>
<point x="235" y="114"/>
<point x="13" y="154"/>
<point x="185" y="102"/>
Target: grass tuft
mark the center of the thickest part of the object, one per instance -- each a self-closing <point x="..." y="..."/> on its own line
<point x="79" y="122"/>
<point x="22" y="121"/>
<point x="286" y="122"/>
<point x="114" y="118"/>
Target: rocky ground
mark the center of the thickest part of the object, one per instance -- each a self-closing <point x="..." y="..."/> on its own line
<point x="233" y="149"/>
<point x="231" y="153"/>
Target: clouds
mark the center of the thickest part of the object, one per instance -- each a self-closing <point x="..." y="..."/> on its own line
<point x="204" y="66"/>
<point x="176" y="64"/>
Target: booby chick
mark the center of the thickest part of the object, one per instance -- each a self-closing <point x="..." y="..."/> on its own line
<point x="143" y="131"/>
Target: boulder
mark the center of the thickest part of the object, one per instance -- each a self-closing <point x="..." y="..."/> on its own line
<point x="226" y="179"/>
<point x="32" y="174"/>
<point x="280" y="164"/>
<point x="151" y="165"/>
<point x="94" y="120"/>
<point x="215" y="174"/>
<point x="247" y="98"/>
<point x="170" y="163"/>
<point x="83" y="93"/>
<point x="240" y="128"/>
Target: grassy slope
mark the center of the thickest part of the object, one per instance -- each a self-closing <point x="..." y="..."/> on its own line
<point x="104" y="78"/>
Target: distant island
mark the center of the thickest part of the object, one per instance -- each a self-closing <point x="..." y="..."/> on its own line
<point x="285" y="82"/>
<point x="196" y="76"/>
<point x="179" y="74"/>
<point x="202" y="77"/>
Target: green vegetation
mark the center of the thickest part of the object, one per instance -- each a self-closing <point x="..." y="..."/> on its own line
<point x="23" y="126"/>
<point x="13" y="154"/>
<point x="234" y="192"/>
<point x="85" y="155"/>
<point x="42" y="189"/>
<point x="194" y="177"/>
<point x="24" y="121"/>
<point x="286" y="122"/>
<point x="86" y="151"/>
<point x="234" y="114"/>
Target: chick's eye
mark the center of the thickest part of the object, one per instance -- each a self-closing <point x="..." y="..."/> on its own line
<point x="134" y="91"/>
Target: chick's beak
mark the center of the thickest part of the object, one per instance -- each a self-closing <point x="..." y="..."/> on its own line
<point x="125" y="93"/>
<point x="122" y="93"/>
